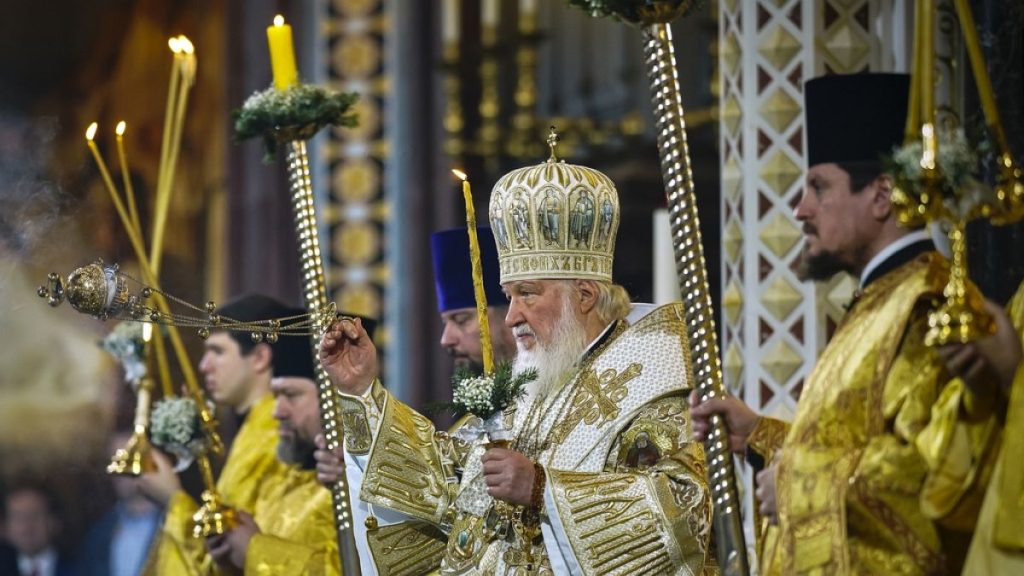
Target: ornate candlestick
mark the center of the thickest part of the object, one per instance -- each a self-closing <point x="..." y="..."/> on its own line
<point x="288" y="114"/>
<point x="934" y="174"/>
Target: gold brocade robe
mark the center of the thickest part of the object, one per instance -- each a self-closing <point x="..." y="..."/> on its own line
<point x="297" y="533"/>
<point x="998" y="544"/>
<point x="626" y="490"/>
<point x="878" y="473"/>
<point x="251" y="466"/>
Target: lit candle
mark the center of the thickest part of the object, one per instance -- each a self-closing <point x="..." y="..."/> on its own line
<point x="172" y="91"/>
<point x="188" y="68"/>
<point x="282" y="54"/>
<point x="450" y="21"/>
<point x="135" y="239"/>
<point x="489" y="13"/>
<point x="126" y="177"/>
<point x="90" y="135"/>
<point x="185" y="56"/>
<point x="478" y="275"/>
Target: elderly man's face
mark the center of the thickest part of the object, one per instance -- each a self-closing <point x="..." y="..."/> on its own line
<point x="837" y="222"/>
<point x="534" y="310"/>
<point x="298" y="415"/>
<point x="546" y="320"/>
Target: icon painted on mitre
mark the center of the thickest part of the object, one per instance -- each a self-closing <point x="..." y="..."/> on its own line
<point x="581" y="220"/>
<point x="550" y="217"/>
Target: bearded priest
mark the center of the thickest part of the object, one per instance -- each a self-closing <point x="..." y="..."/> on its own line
<point x="602" y="475"/>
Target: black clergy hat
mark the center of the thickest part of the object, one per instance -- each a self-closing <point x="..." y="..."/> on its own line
<point x="855" y="117"/>
<point x="453" y="272"/>
<point x="293" y="355"/>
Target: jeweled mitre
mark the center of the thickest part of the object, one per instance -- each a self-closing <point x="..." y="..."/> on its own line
<point x="554" y="220"/>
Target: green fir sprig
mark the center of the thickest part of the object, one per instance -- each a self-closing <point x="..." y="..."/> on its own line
<point x="296" y="113"/>
<point x="484" y="396"/>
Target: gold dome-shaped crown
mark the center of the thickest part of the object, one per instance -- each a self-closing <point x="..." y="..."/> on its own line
<point x="554" y="220"/>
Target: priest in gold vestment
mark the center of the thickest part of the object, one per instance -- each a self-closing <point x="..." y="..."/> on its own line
<point x="993" y="368"/>
<point x="882" y="469"/>
<point x="602" y="475"/>
<point x="237" y="374"/>
<point x="290" y="529"/>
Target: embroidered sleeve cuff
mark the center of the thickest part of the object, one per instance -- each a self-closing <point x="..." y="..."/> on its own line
<point x="361" y="415"/>
<point x="766" y="439"/>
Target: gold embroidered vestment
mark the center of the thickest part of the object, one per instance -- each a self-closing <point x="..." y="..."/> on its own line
<point x="878" y="472"/>
<point x="626" y="482"/>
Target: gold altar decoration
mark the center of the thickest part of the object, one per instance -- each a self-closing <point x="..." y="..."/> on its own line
<point x="653" y="18"/>
<point x="934" y="183"/>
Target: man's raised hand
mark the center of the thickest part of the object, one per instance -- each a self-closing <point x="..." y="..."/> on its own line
<point x="349" y="356"/>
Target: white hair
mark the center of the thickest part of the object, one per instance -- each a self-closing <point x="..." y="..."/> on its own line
<point x="554" y="360"/>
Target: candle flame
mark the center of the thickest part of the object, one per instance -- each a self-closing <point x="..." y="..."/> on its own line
<point x="460" y="175"/>
<point x="278" y="20"/>
<point x="174" y="44"/>
<point x="120" y="128"/>
<point x="90" y="132"/>
<point x="147" y="331"/>
<point x="186" y="45"/>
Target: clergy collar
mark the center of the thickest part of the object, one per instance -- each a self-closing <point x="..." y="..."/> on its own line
<point x="895" y="255"/>
<point x="601" y="339"/>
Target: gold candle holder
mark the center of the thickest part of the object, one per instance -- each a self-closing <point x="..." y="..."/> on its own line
<point x="931" y="197"/>
<point x="213" y="517"/>
<point x="961" y="316"/>
<point x="135" y="457"/>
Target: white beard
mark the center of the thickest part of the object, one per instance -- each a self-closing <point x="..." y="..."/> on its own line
<point x="554" y="360"/>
